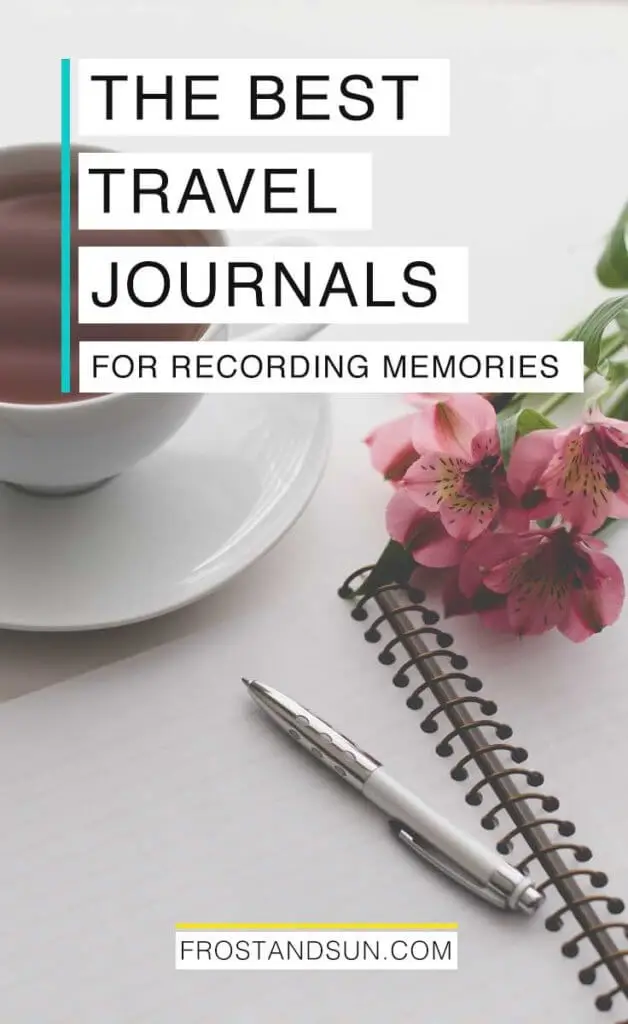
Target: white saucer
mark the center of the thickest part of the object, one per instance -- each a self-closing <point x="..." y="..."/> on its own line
<point x="176" y="527"/>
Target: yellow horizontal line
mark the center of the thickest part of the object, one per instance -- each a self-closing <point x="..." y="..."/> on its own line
<point x="302" y="926"/>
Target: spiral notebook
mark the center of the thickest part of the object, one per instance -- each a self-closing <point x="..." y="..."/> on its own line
<point x="486" y="759"/>
<point x="148" y="791"/>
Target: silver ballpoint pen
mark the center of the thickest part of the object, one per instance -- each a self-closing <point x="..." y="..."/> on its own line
<point x="426" y="833"/>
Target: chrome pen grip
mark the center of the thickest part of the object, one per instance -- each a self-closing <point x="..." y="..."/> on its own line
<point x="334" y="750"/>
<point x="328" y="746"/>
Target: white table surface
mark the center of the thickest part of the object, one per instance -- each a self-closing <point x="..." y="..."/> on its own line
<point x="532" y="177"/>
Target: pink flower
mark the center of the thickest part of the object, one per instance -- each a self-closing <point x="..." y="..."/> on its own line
<point x="580" y="473"/>
<point x="445" y="423"/>
<point x="547" y="579"/>
<point x="468" y="493"/>
<point x="392" y="451"/>
<point x="421" y="533"/>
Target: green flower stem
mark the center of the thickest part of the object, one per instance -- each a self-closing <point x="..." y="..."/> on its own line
<point x="612" y="344"/>
<point x="617" y="403"/>
<point x="554" y="401"/>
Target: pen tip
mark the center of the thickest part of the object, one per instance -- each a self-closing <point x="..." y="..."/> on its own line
<point x="247" y="682"/>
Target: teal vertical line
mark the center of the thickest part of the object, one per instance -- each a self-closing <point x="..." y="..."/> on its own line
<point x="66" y="227"/>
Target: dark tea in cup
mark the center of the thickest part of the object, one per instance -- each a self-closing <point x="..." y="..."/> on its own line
<point x="30" y="278"/>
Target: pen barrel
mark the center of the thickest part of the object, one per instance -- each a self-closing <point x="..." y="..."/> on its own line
<point x="402" y="805"/>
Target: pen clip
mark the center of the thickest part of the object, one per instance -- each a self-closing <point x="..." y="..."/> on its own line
<point x="429" y="853"/>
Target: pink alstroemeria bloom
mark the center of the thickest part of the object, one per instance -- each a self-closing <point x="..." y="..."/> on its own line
<point x="548" y="579"/>
<point x="392" y="450"/>
<point x="421" y="533"/>
<point x="441" y="423"/>
<point x="580" y="473"/>
<point x="468" y="491"/>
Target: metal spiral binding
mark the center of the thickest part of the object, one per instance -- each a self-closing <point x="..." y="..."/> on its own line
<point x="427" y="648"/>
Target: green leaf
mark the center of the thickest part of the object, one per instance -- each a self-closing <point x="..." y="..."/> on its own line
<point x="612" y="268"/>
<point x="613" y="354"/>
<point x="615" y="370"/>
<point x="545" y="523"/>
<point x="530" y="420"/>
<point x="507" y="430"/>
<point x="591" y="331"/>
<point x="612" y="343"/>
<point x="615" y="402"/>
<point x="395" y="565"/>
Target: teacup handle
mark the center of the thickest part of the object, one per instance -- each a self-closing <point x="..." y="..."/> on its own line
<point x="287" y="332"/>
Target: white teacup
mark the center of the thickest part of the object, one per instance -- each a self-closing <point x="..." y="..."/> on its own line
<point x="69" y="447"/>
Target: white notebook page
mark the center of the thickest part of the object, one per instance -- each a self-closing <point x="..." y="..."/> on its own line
<point x="153" y="791"/>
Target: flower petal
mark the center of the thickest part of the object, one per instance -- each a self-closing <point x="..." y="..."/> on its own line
<point x="618" y="429"/>
<point x="485" y="444"/>
<point x="577" y="478"/>
<point x="497" y="619"/>
<point x="440" y="553"/>
<point x="421" y="399"/>
<point x="529" y="459"/>
<point x="425" y="480"/>
<point x="465" y="518"/>
<point x="449" y="424"/>
<point x="422" y="533"/>
<point x="574" y="629"/>
<point x="537" y="606"/>
<point x="513" y="516"/>
<point x="482" y="555"/>
<point x="599" y="601"/>
<point x="391" y="447"/>
<point x="404" y="517"/>
<point x="503" y="576"/>
<point x="612" y="437"/>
